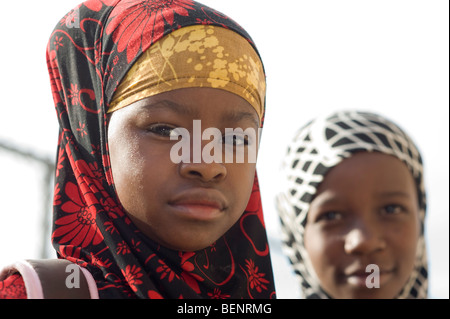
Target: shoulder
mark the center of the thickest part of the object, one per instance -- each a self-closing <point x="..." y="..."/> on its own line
<point x="13" y="287"/>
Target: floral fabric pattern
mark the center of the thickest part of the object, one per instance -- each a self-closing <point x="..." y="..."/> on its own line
<point x="13" y="287"/>
<point x="154" y="13"/>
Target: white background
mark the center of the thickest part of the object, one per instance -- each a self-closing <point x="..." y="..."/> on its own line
<point x="386" y="56"/>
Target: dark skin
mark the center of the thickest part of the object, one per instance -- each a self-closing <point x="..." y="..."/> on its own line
<point x="365" y="212"/>
<point x="182" y="206"/>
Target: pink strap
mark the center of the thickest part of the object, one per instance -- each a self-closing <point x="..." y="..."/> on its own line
<point x="29" y="276"/>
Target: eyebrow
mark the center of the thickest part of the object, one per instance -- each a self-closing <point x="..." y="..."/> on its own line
<point x="233" y="116"/>
<point x="166" y="104"/>
<point x="394" y="194"/>
<point x="242" y="116"/>
<point x="324" y="199"/>
<point x="330" y="199"/>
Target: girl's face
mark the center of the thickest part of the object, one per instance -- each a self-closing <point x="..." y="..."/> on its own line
<point x="188" y="205"/>
<point x="364" y="213"/>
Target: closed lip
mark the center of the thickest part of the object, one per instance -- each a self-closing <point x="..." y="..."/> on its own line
<point x="199" y="203"/>
<point x="363" y="272"/>
<point x="358" y="276"/>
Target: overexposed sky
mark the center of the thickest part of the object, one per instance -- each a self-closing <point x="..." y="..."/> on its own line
<point x="385" y="56"/>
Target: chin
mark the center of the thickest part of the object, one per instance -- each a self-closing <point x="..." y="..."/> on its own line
<point x="374" y="293"/>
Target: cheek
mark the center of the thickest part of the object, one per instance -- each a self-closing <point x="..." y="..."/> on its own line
<point x="127" y="165"/>
<point x="241" y="180"/>
<point x="316" y="245"/>
<point x="323" y="250"/>
<point x="404" y="240"/>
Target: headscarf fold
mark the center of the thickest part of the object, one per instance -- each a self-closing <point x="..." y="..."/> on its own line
<point x="89" y="53"/>
<point x="321" y="145"/>
<point x="195" y="56"/>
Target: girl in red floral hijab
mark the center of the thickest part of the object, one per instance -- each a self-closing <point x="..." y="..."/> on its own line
<point x="124" y="75"/>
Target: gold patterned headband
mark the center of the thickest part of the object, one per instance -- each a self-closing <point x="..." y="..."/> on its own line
<point x="195" y="56"/>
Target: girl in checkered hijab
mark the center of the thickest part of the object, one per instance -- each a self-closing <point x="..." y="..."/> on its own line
<point x="352" y="209"/>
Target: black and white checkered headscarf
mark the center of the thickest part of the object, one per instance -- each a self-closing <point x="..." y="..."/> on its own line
<point x="316" y="148"/>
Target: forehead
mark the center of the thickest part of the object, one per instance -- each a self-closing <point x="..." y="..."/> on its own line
<point x="370" y="170"/>
<point x="198" y="103"/>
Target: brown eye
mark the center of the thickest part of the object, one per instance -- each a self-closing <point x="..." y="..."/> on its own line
<point x="393" y="209"/>
<point x="236" y="140"/>
<point x="163" y="130"/>
<point x="329" y="216"/>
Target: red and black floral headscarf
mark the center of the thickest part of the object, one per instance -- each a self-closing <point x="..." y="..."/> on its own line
<point x="89" y="52"/>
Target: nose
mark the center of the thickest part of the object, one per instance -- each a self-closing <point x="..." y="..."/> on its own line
<point x="205" y="172"/>
<point x="364" y="238"/>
